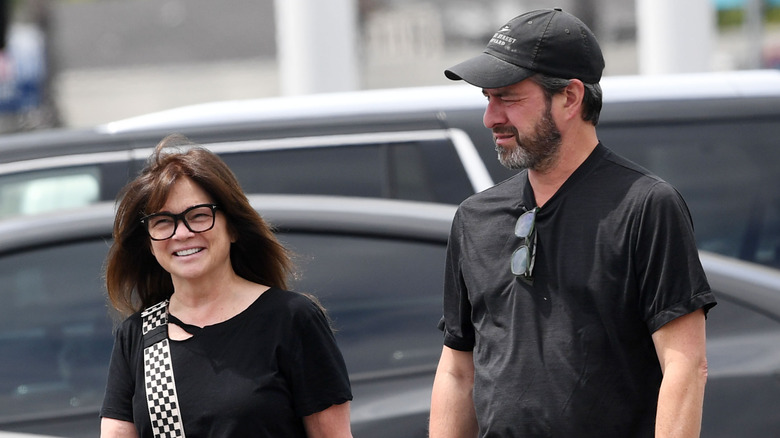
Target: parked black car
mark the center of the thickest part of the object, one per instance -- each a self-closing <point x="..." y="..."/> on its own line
<point x="714" y="136"/>
<point x="377" y="265"/>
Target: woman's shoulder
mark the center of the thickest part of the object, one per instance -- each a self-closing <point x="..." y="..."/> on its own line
<point x="129" y="332"/>
<point x="131" y="323"/>
<point x="294" y="301"/>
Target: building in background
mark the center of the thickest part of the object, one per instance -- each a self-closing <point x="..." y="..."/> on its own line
<point x="111" y="59"/>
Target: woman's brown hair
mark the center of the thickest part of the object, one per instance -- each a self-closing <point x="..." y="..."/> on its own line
<point x="134" y="279"/>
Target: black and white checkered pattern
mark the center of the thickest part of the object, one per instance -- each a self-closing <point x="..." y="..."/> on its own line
<point x="158" y="378"/>
<point x="155" y="316"/>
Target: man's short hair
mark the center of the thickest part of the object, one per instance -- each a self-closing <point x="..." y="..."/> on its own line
<point x="591" y="101"/>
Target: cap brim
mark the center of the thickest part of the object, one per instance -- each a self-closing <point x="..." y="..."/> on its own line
<point x="487" y="71"/>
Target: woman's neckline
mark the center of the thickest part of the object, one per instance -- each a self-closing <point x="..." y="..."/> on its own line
<point x="195" y="330"/>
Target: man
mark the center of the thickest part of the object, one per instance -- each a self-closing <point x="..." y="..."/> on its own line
<point x="575" y="300"/>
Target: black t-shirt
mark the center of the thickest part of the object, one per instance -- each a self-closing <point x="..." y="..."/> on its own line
<point x="572" y="353"/>
<point x="256" y="374"/>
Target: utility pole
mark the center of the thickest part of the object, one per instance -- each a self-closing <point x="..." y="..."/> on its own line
<point x="316" y="46"/>
<point x="753" y="26"/>
<point x="675" y="36"/>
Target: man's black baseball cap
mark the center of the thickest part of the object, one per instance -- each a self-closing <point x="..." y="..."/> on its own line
<point x="547" y="41"/>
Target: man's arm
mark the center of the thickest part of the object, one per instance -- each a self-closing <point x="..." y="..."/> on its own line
<point x="333" y="422"/>
<point x="452" y="404"/>
<point x="681" y="349"/>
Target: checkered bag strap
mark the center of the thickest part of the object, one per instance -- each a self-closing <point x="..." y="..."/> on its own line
<point x="158" y="374"/>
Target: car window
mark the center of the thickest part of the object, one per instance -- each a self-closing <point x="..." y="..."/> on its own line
<point x="420" y="171"/>
<point x="384" y="297"/>
<point x="55" y="332"/>
<point x="424" y="170"/>
<point x="727" y="171"/>
<point x="434" y="165"/>
<point x="49" y="190"/>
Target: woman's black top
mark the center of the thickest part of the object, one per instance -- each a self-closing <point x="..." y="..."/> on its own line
<point x="256" y="374"/>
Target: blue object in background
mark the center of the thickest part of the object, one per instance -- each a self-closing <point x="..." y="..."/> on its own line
<point x="739" y="4"/>
<point x="22" y="69"/>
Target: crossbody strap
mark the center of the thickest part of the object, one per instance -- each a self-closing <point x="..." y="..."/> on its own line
<point x="160" y="385"/>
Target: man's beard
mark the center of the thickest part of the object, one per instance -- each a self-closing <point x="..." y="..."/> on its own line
<point x="538" y="151"/>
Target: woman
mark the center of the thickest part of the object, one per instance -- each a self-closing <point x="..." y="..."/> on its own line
<point x="248" y="357"/>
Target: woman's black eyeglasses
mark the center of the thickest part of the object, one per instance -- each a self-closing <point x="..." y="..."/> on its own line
<point x="522" y="262"/>
<point x="198" y="219"/>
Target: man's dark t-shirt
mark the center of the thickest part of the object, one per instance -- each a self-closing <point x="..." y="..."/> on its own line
<point x="571" y="355"/>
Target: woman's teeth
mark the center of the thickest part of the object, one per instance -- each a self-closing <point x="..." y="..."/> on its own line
<point x="187" y="252"/>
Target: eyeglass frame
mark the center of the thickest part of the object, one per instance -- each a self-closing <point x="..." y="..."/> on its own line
<point x="180" y="217"/>
<point x="529" y="244"/>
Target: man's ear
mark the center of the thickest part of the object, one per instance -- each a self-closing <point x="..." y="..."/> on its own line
<point x="574" y="94"/>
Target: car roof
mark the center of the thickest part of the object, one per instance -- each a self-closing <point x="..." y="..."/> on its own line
<point x="344" y="104"/>
<point x="331" y="214"/>
<point x="710" y="85"/>
<point x="627" y="99"/>
<point x="690" y="86"/>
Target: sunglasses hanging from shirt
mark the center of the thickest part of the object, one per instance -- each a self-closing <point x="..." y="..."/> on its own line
<point x="522" y="262"/>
